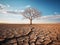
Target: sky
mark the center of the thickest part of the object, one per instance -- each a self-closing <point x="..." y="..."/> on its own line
<point x="50" y="10"/>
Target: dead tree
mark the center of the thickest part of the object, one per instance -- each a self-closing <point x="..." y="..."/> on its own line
<point x="31" y="13"/>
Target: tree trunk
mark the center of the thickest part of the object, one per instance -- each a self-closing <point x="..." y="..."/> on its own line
<point x="30" y="21"/>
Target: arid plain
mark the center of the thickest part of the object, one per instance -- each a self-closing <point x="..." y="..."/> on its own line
<point x="25" y="34"/>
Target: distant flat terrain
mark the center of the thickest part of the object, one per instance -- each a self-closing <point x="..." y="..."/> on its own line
<point x="25" y="34"/>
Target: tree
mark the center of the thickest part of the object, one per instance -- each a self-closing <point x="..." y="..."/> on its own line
<point x="31" y="13"/>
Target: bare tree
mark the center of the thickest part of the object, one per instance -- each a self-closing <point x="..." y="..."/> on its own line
<point x="31" y="13"/>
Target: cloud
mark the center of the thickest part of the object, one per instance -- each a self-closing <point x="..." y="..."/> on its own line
<point x="4" y="6"/>
<point x="28" y="6"/>
<point x="50" y="17"/>
<point x="12" y="12"/>
<point x="8" y="5"/>
<point x="21" y="10"/>
<point x="4" y="10"/>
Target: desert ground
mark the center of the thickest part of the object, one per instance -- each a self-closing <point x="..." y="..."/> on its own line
<point x="25" y="34"/>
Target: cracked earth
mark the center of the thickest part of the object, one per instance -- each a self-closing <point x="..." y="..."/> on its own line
<point x="42" y="34"/>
